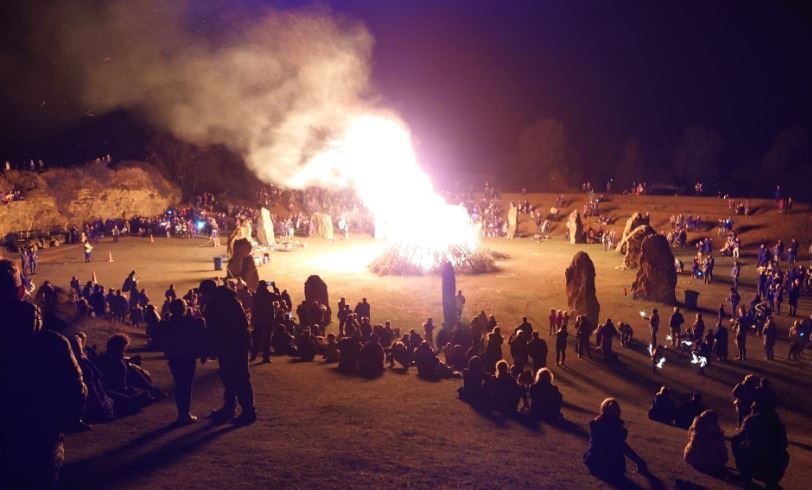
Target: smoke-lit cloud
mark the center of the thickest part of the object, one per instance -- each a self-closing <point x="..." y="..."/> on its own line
<point x="272" y="87"/>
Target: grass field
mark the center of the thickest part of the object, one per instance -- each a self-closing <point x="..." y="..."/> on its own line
<point x="318" y="428"/>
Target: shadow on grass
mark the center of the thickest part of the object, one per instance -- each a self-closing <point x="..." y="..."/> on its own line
<point x="118" y="466"/>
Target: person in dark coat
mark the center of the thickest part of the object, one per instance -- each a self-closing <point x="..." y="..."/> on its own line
<point x="473" y="382"/>
<point x="306" y="346"/>
<point x="229" y="341"/>
<point x="760" y="447"/>
<point x="182" y="338"/>
<point x="504" y="391"/>
<point x="350" y="350"/>
<point x="371" y="359"/>
<point x="607" y="450"/>
<point x="706" y="450"/>
<point x="262" y="318"/>
<point x="99" y="407"/>
<point x="537" y="350"/>
<point x="744" y="393"/>
<point x="605" y="335"/>
<point x="42" y="388"/>
<point x="545" y="399"/>
<point x="689" y="410"/>
<point x="663" y="409"/>
<point x="493" y="351"/>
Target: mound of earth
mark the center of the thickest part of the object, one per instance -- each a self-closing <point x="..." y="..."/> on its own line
<point x="59" y="197"/>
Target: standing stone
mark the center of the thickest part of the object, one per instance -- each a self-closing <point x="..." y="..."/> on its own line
<point x="656" y="278"/>
<point x="513" y="220"/>
<point x="581" y="296"/>
<point x="576" y="228"/>
<point x="449" y="293"/>
<point x="635" y="220"/>
<point x="265" y="234"/>
<point x="633" y="245"/>
<point x="324" y="225"/>
<point x="315" y="289"/>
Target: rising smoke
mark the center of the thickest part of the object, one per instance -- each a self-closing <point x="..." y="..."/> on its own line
<point x="273" y="87"/>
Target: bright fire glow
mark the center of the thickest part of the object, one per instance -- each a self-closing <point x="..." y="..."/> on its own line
<point x="376" y="157"/>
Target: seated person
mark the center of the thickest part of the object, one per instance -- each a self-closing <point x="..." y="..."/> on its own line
<point x="99" y="405"/>
<point x="350" y="350"/>
<point x="473" y="381"/>
<point x="331" y="349"/>
<point x="306" y="347"/>
<point x="503" y="389"/>
<point x="706" y="450"/>
<point x="689" y="410"/>
<point x="545" y="399"/>
<point x="760" y="447"/>
<point x="663" y="408"/>
<point x="282" y="342"/>
<point x="126" y="383"/>
<point x="371" y="358"/>
<point x="428" y="364"/>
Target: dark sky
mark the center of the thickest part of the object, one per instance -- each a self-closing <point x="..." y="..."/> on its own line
<point x="469" y="75"/>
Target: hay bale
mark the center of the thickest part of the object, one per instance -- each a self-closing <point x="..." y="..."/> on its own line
<point x="580" y="280"/>
<point x="656" y="278"/>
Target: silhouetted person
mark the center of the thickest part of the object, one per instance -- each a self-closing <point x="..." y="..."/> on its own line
<point x="363" y="309"/>
<point x="229" y="341"/>
<point x="505" y="392"/>
<point x="663" y="409"/>
<point x="561" y="345"/>
<point x="689" y="410"/>
<point x="760" y="447"/>
<point x="42" y="389"/>
<point x="606" y="334"/>
<point x="706" y="450"/>
<point x="744" y="393"/>
<point x="607" y="451"/>
<point x="545" y="399"/>
<point x="350" y="350"/>
<point x="305" y="346"/>
<point x="262" y="318"/>
<point x="182" y="338"/>
<point x="537" y="350"/>
<point x="493" y="351"/>
<point x="675" y="324"/>
<point x="473" y="382"/>
<point x="370" y="363"/>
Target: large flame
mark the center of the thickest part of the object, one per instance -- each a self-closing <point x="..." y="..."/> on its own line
<point x="376" y="157"/>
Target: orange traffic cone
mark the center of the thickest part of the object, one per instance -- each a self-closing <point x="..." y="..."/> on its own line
<point x="110" y="256"/>
<point x="151" y="238"/>
<point x="625" y="292"/>
<point x="94" y="278"/>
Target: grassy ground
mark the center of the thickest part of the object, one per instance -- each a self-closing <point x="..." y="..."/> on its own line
<point x="319" y="428"/>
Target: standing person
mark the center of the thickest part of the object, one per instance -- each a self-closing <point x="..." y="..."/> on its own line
<point x="741" y="340"/>
<point x="769" y="334"/>
<point x="735" y="272"/>
<point x="428" y="330"/>
<point x="734" y="299"/>
<point x="720" y="342"/>
<point x="606" y="333"/>
<point x="88" y="251"/>
<point x="583" y="331"/>
<point x="42" y="387"/>
<point x="493" y="351"/>
<point x="182" y="336"/>
<point x="676" y="326"/>
<point x="608" y="449"/>
<point x="229" y="341"/>
<point x="263" y="316"/>
<point x="654" y="325"/>
<point x="537" y="350"/>
<point x="554" y="321"/>
<point x="561" y="345"/>
<point x="744" y="393"/>
<point x="698" y="329"/>
<point x="459" y="300"/>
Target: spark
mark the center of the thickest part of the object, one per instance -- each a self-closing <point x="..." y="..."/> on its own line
<point x="687" y="343"/>
<point x="661" y="363"/>
<point x="642" y="313"/>
<point x="701" y="360"/>
<point x="669" y="338"/>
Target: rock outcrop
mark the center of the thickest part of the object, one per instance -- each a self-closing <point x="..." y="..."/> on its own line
<point x="633" y="244"/>
<point x="59" y="197"/>
<point x="580" y="280"/>
<point x="656" y="278"/>
<point x="635" y="220"/>
<point x="315" y="289"/>
<point x="575" y="227"/>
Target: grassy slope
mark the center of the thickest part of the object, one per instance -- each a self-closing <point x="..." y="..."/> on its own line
<point x="317" y="427"/>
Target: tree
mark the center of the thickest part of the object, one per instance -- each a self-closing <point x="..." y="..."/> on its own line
<point x="696" y="157"/>
<point x="629" y="167"/>
<point x="791" y="150"/>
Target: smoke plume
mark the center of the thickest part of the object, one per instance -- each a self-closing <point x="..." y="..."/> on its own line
<point x="272" y="87"/>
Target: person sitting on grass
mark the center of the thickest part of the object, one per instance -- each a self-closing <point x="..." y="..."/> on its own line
<point x="760" y="446"/>
<point x="706" y="450"/>
<point x="331" y="354"/>
<point x="282" y="342"/>
<point x="545" y="398"/>
<point x="305" y="345"/>
<point x="504" y="391"/>
<point x="370" y="363"/>
<point x="128" y="384"/>
<point x="473" y="382"/>
<point x="688" y="410"/>
<point x="401" y="354"/>
<point x="428" y="364"/>
<point x="350" y="350"/>
<point x="608" y="449"/>
<point x="98" y="405"/>
<point x="663" y="409"/>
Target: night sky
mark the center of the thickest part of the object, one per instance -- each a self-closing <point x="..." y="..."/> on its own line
<point x="468" y="76"/>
